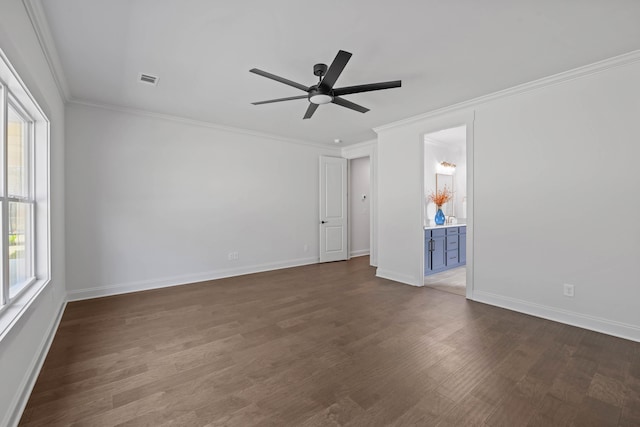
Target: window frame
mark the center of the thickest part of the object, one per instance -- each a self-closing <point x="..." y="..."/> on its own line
<point x="14" y="91"/>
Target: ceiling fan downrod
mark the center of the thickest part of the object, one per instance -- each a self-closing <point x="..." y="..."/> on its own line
<point x="320" y="70"/>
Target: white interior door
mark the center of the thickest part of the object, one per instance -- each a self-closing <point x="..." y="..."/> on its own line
<point x="333" y="209"/>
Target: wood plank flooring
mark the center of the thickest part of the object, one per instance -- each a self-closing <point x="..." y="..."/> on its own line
<point x="326" y="345"/>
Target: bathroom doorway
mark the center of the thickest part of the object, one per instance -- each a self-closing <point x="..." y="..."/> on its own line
<point x="445" y="221"/>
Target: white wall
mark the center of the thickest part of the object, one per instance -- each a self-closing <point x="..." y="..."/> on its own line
<point x="400" y="204"/>
<point x="554" y="168"/>
<point x="22" y="348"/>
<point x="154" y="202"/>
<point x="359" y="208"/>
<point x="460" y="182"/>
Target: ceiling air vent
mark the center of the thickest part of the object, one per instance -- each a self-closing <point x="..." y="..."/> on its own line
<point x="148" y="79"/>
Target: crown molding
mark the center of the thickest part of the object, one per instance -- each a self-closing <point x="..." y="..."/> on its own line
<point x="361" y="149"/>
<point x="200" y="123"/>
<point x="45" y="39"/>
<point x="576" y="73"/>
<point x="358" y="145"/>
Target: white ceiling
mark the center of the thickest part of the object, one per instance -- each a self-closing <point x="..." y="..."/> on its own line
<point x="453" y="137"/>
<point x="444" y="52"/>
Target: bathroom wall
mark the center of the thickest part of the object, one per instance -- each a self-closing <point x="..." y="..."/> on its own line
<point x="436" y="152"/>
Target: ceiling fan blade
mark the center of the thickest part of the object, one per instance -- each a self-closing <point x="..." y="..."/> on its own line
<point x="366" y="88"/>
<point x="312" y="109"/>
<point x="280" y="99"/>
<point x="279" y="79"/>
<point x="344" y="103"/>
<point x="334" y="71"/>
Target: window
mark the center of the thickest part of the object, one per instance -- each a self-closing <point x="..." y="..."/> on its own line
<point x="17" y="206"/>
<point x="24" y="199"/>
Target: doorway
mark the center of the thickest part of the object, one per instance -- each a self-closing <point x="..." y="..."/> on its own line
<point x="445" y="172"/>
<point x="366" y="150"/>
<point x="359" y="207"/>
<point x="345" y="208"/>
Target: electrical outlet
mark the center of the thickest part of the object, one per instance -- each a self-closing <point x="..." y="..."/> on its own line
<point x="568" y="290"/>
<point x="305" y="247"/>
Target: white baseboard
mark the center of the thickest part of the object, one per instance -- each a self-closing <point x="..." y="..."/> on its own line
<point x="361" y="252"/>
<point x="605" y="326"/>
<point x="398" y="277"/>
<point x="165" y="282"/>
<point x="14" y="414"/>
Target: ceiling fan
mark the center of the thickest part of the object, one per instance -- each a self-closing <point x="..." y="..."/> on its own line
<point x="323" y="92"/>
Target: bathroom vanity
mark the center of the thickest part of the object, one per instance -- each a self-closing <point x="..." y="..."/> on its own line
<point x="445" y="247"/>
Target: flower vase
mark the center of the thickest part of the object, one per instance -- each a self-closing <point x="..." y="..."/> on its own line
<point x="440" y="218"/>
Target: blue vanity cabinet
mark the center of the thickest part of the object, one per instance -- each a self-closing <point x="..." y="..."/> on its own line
<point x="452" y="257"/>
<point x="462" y="244"/>
<point x="435" y="251"/>
<point x="444" y="248"/>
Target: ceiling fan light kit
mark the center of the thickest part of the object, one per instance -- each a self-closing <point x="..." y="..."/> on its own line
<point x="320" y="98"/>
<point x="323" y="92"/>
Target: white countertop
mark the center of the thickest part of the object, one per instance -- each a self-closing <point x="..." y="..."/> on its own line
<point x="460" y="223"/>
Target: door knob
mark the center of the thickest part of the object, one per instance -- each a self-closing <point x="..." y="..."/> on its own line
<point x="323" y="222"/>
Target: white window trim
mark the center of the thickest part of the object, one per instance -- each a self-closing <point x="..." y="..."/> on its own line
<point x="39" y="193"/>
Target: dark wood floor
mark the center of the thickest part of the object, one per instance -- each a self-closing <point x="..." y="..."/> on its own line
<point x="326" y="344"/>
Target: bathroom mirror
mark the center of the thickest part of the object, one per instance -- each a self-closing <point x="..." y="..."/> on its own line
<point x="443" y="180"/>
